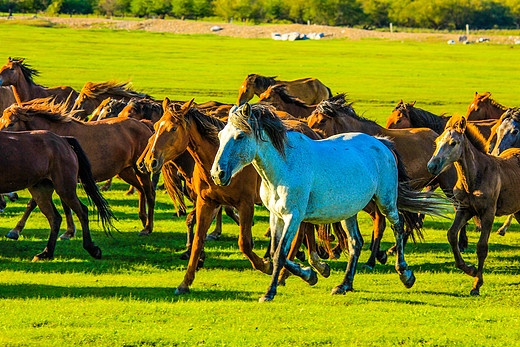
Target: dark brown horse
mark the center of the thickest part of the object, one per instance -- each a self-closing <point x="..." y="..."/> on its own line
<point x="44" y="162"/>
<point x="309" y="90"/>
<point x="92" y="94"/>
<point x="109" y="108"/>
<point x="483" y="107"/>
<point x="406" y="115"/>
<point x="277" y="96"/>
<point x="415" y="147"/>
<point x="139" y="108"/>
<point x="18" y="74"/>
<point x="185" y="128"/>
<point x="487" y="186"/>
<point x="112" y="146"/>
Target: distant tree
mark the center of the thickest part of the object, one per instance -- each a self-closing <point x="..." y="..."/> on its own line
<point x="376" y="12"/>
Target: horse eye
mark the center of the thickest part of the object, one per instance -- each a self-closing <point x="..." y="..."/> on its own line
<point x="398" y="121"/>
<point x="452" y="143"/>
<point x="239" y="136"/>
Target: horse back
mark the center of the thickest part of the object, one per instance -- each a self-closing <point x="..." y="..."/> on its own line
<point x="309" y="90"/>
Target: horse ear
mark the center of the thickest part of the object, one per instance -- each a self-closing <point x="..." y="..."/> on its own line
<point x="413" y="103"/>
<point x="165" y="103"/>
<point x="485" y="96"/>
<point x="246" y="109"/>
<point x="461" y="124"/>
<point x="400" y="102"/>
<point x="187" y="105"/>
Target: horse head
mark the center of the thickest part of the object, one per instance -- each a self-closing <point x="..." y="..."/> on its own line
<point x="508" y="133"/>
<point x="11" y="72"/>
<point x="170" y="138"/>
<point x="400" y="117"/>
<point x="449" y="145"/>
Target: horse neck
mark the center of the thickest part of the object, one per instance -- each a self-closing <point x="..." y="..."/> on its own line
<point x="494" y="110"/>
<point x="24" y="90"/>
<point x="269" y="163"/>
<point x="354" y="125"/>
<point x="428" y="120"/>
<point x="202" y="150"/>
<point x="61" y="128"/>
<point x="470" y="166"/>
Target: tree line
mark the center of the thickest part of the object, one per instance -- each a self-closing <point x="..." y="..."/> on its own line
<point x="434" y="14"/>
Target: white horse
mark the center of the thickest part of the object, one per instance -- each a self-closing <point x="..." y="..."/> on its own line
<point x="318" y="182"/>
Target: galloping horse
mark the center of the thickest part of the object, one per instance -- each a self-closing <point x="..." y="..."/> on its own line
<point x="309" y="90"/>
<point x="406" y="115"/>
<point x="318" y="182"/>
<point x="44" y="162"/>
<point x="92" y="94"/>
<point x="336" y="116"/>
<point x="185" y="128"/>
<point x="487" y="186"/>
<point x="277" y="96"/>
<point x="483" y="107"/>
<point x="112" y="146"/>
<point x="18" y="74"/>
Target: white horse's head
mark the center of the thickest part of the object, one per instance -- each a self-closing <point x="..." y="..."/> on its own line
<point x="237" y="146"/>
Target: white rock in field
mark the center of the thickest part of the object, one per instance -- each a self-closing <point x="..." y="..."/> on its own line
<point x="215" y="28"/>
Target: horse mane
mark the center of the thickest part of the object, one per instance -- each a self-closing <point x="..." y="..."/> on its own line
<point x="27" y="70"/>
<point x="472" y="133"/>
<point x="263" y="118"/>
<point x="146" y="106"/>
<point x="206" y="125"/>
<point x="261" y="82"/>
<point x="423" y="119"/>
<point x="338" y="107"/>
<point x="44" y="108"/>
<point x="281" y="90"/>
<point x="92" y="89"/>
<point x="513" y="113"/>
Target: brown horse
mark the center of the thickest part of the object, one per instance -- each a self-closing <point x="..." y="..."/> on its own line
<point x="44" y="162"/>
<point x="139" y="108"/>
<point x="92" y="94"/>
<point x="6" y="97"/>
<point x="18" y="74"/>
<point x="277" y="96"/>
<point x="415" y="147"/>
<point x="309" y="90"/>
<point x="406" y="115"/>
<point x="185" y="128"/>
<point x="483" y="107"/>
<point x="487" y="186"/>
<point x="109" y="108"/>
<point x="112" y="146"/>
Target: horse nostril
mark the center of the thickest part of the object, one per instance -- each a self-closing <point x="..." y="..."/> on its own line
<point x="221" y="174"/>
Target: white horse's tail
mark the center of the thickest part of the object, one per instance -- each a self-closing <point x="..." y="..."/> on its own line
<point x="413" y="203"/>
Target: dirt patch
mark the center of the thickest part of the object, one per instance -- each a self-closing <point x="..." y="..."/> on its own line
<point x="259" y="31"/>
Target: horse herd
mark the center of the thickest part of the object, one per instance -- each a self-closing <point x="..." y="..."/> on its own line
<point x="300" y="151"/>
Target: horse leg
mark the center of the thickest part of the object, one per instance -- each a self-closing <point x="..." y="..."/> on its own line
<point x="379" y="225"/>
<point x="42" y="195"/>
<point x="106" y="186"/>
<point x="482" y="249"/>
<point x="15" y="232"/>
<point x="204" y="213"/>
<point x="284" y="233"/>
<point x="502" y="230"/>
<point x="130" y="191"/>
<point x="231" y="214"/>
<point x="355" y="243"/>
<point x="295" y="246"/>
<point x="245" y="238"/>
<point x="190" y="223"/>
<point x="314" y="259"/>
<point x="71" y="228"/>
<point x="342" y="240"/>
<point x="462" y="216"/>
<point x="215" y="235"/>
<point x="141" y="181"/>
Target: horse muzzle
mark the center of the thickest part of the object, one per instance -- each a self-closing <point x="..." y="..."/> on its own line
<point x="220" y="177"/>
<point x="435" y="166"/>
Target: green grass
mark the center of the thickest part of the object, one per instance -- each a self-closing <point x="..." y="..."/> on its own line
<point x="127" y="298"/>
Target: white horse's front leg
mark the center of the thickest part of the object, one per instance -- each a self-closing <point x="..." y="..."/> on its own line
<point x="282" y="235"/>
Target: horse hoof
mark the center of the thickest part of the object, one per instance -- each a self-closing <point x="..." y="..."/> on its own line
<point x="326" y="272"/>
<point x="367" y="267"/>
<point x="408" y="278"/>
<point x="144" y="233"/>
<point x="501" y="232"/>
<point x="269" y="270"/>
<point x="12" y="236"/>
<point x="182" y="289"/>
<point x="474" y="292"/>
<point x="391" y="251"/>
<point x="313" y="278"/>
<point x="266" y="298"/>
<point x="213" y="236"/>
<point x="95" y="252"/>
<point x="41" y="257"/>
<point x="186" y="255"/>
<point x="66" y="236"/>
<point x="341" y="290"/>
<point x="382" y="258"/>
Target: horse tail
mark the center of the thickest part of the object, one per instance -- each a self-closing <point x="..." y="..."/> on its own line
<point x="89" y="185"/>
<point x="411" y="203"/>
<point x="171" y="180"/>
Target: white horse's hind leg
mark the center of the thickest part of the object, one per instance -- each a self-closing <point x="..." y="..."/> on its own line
<point x="355" y="243"/>
<point x="406" y="275"/>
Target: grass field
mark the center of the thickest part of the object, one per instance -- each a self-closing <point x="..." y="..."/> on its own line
<point x="127" y="298"/>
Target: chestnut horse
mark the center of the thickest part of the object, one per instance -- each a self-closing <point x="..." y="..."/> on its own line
<point x="277" y="96"/>
<point x="44" y="162"/>
<point x="483" y="107"/>
<point x="185" y="128"/>
<point x="92" y="94"/>
<point x="406" y="115"/>
<point x="112" y="146"/>
<point x="18" y="74"/>
<point x="309" y="90"/>
<point x="336" y="116"/>
<point x="487" y="186"/>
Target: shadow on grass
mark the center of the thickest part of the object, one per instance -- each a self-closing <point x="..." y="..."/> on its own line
<point x="34" y="291"/>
